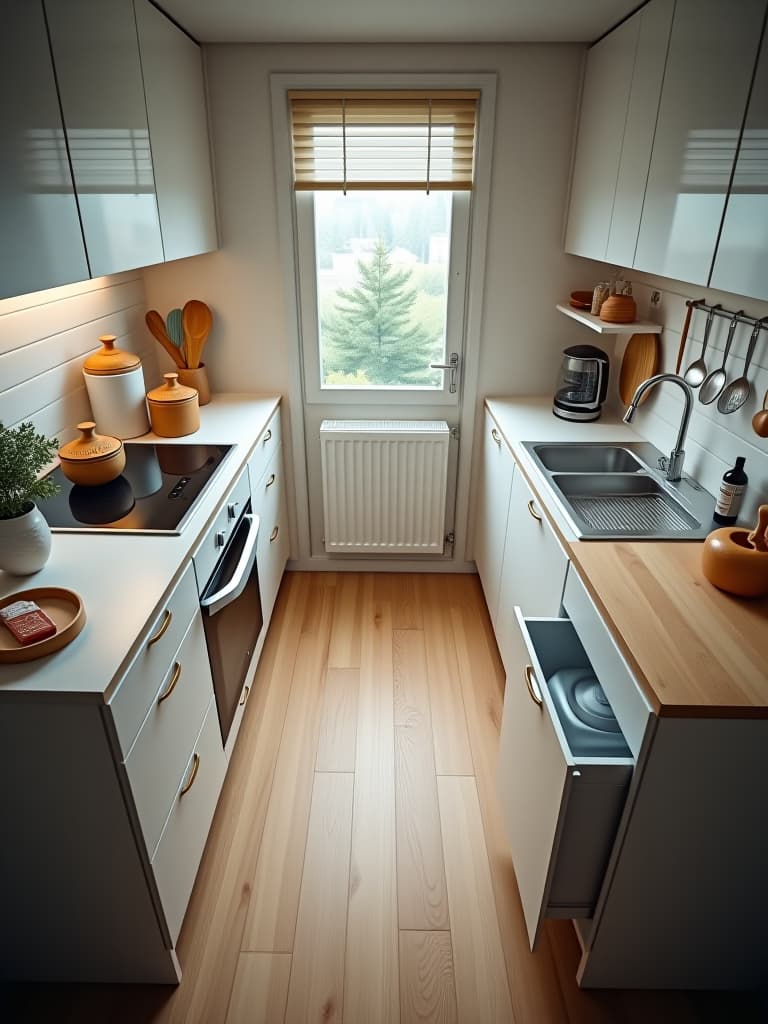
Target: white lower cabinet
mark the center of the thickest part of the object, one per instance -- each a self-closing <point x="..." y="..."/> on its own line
<point x="182" y="843"/>
<point x="561" y="809"/>
<point x="268" y="499"/>
<point x="493" y="503"/>
<point x="533" y="569"/>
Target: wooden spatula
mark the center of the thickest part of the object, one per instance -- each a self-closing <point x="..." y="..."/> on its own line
<point x="641" y="361"/>
<point x="197" y="320"/>
<point x="156" y="324"/>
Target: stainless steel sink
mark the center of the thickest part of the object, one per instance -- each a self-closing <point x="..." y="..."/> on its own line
<point x="587" y="458"/>
<point x="618" y="492"/>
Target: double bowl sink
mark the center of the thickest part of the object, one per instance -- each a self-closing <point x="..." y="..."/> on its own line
<point x="618" y="491"/>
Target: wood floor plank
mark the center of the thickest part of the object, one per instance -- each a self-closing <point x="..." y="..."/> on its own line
<point x="449" y="729"/>
<point x="427" y="989"/>
<point x="274" y="900"/>
<point x="421" y="894"/>
<point x="482" y="994"/>
<point x="533" y="981"/>
<point x="260" y="990"/>
<point x="400" y="589"/>
<point x="344" y="648"/>
<point x="371" y="989"/>
<point x="317" y="974"/>
<point x="338" y="723"/>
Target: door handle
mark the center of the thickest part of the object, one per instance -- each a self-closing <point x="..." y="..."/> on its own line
<point x="213" y="603"/>
<point x="453" y="366"/>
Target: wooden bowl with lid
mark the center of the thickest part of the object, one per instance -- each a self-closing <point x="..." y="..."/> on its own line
<point x="93" y="459"/>
<point x="173" y="408"/>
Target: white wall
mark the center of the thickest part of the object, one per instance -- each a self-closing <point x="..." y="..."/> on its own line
<point x="527" y="271"/>
<point x="45" y="338"/>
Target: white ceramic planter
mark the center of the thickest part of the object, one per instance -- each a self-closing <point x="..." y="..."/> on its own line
<point x="25" y="543"/>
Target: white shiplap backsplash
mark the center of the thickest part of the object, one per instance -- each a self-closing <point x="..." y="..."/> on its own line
<point x="714" y="440"/>
<point x="45" y="338"/>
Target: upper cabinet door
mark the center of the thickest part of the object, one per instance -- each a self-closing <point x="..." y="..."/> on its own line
<point x="96" y="56"/>
<point x="607" y="83"/>
<point x="706" y="84"/>
<point x="647" y="76"/>
<point x="175" y="94"/>
<point x="42" y="244"/>
<point x="741" y="263"/>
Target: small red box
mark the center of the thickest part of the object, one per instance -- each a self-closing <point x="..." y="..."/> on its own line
<point x="27" y="622"/>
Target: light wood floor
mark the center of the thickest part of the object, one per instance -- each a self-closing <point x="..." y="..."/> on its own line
<point x="357" y="868"/>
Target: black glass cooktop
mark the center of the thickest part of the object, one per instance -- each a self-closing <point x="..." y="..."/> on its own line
<point x="154" y="494"/>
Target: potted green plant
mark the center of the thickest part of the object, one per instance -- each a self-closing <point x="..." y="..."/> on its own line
<point x="25" y="537"/>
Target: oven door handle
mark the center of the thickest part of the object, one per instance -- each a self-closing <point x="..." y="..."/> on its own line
<point x="234" y="588"/>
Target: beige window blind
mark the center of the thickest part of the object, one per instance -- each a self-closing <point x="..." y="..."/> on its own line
<point x="383" y="140"/>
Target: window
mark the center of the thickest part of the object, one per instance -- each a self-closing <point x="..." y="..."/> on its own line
<point x="382" y="186"/>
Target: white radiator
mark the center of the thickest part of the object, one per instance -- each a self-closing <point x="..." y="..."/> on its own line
<point x="384" y="484"/>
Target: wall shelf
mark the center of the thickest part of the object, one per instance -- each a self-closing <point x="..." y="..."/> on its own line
<point x="596" y="324"/>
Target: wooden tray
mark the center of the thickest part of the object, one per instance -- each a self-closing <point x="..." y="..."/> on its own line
<point x="63" y="606"/>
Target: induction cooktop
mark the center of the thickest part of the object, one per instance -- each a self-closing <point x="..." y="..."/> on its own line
<point x="154" y="494"/>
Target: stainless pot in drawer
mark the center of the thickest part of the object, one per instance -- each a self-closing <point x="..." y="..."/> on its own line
<point x="561" y="783"/>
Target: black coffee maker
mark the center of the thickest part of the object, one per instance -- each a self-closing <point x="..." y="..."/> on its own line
<point x="582" y="384"/>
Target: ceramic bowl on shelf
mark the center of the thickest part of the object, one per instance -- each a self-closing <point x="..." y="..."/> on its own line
<point x="580" y="300"/>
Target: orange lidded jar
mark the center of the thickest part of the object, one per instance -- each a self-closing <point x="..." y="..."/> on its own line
<point x="173" y="408"/>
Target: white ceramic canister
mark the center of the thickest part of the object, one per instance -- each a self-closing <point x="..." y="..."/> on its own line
<point x="114" y="380"/>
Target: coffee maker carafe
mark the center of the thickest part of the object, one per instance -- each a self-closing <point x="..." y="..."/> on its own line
<point x="582" y="384"/>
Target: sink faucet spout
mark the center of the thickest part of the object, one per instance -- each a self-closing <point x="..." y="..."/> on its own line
<point x="675" y="466"/>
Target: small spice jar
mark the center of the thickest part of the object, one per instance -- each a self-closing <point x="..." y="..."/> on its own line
<point x="115" y="384"/>
<point x="93" y="459"/>
<point x="173" y="408"/>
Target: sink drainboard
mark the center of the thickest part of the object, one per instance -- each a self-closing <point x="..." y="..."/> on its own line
<point x="636" y="513"/>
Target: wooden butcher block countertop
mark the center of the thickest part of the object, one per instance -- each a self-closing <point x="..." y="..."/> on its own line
<point x="696" y="651"/>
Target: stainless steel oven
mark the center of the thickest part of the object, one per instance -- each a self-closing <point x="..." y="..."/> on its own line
<point x="231" y="606"/>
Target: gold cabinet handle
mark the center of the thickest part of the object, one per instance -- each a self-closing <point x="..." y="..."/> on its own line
<point x="173" y="683"/>
<point x="162" y="631"/>
<point x="533" y="686"/>
<point x="496" y="436"/>
<point x="195" y="767"/>
<point x="267" y="437"/>
<point x="244" y="698"/>
<point x="532" y="509"/>
<point x="270" y="481"/>
<point x="273" y="535"/>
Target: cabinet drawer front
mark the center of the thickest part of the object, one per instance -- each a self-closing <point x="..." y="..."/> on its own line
<point x="272" y="552"/>
<point x="161" y="750"/>
<point x="629" y="705"/>
<point x="209" y="550"/>
<point x="493" y="507"/>
<point x="182" y="843"/>
<point x="135" y="692"/>
<point x="561" y="812"/>
<point x="265" y="448"/>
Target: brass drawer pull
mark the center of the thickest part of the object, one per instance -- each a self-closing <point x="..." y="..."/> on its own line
<point x="173" y="683"/>
<point x="533" y="512"/>
<point x="244" y="698"/>
<point x="195" y="766"/>
<point x="496" y="436"/>
<point x="533" y="686"/>
<point x="273" y="535"/>
<point x="267" y="437"/>
<point x="270" y="481"/>
<point x="161" y="632"/>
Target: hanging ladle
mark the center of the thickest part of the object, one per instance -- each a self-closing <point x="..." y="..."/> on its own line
<point x="714" y="382"/>
<point x="697" y="371"/>
<point x="738" y="391"/>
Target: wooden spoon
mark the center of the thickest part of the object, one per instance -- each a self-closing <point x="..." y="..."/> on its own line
<point x="156" y="324"/>
<point x="197" y="320"/>
<point x="760" y="419"/>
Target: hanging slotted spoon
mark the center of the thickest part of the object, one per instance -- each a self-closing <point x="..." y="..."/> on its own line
<point x="738" y="391"/>
<point x="714" y="382"/>
<point x="697" y="371"/>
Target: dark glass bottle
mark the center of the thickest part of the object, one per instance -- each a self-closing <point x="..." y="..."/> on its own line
<point x="732" y="488"/>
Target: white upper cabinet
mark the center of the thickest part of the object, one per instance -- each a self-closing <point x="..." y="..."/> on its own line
<point x="741" y="262"/>
<point x="709" y="69"/>
<point x="42" y="244"/>
<point x="620" y="101"/>
<point x="96" y="56"/>
<point x="173" y="83"/>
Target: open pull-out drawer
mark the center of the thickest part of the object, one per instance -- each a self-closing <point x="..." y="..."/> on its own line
<point x="561" y="807"/>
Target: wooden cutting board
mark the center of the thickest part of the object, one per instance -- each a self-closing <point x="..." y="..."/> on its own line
<point x="641" y="361"/>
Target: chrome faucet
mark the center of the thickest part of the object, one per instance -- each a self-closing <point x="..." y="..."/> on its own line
<point x="675" y="465"/>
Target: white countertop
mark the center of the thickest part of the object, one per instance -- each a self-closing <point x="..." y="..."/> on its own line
<point x="122" y="578"/>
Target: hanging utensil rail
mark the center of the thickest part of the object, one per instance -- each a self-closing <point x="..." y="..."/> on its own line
<point x="718" y="310"/>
